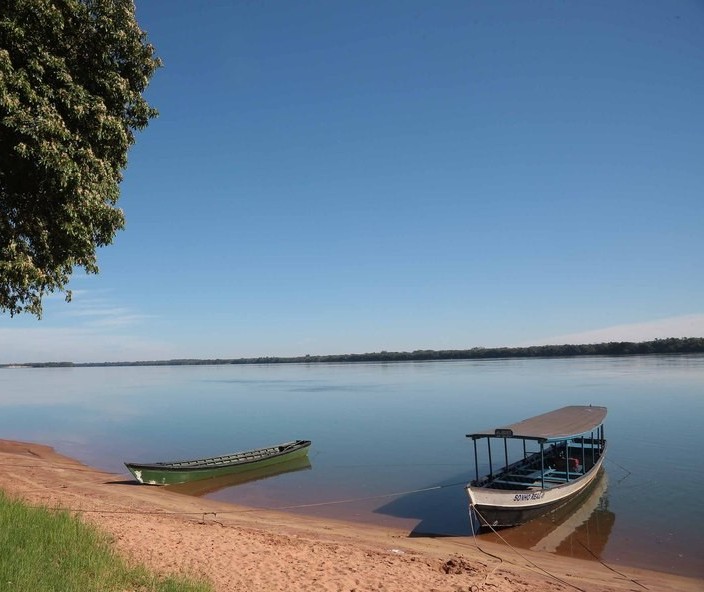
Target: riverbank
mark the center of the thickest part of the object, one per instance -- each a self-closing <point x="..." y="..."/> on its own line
<point x="241" y="549"/>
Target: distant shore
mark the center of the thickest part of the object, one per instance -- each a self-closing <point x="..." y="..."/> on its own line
<point x="246" y="550"/>
<point x="672" y="345"/>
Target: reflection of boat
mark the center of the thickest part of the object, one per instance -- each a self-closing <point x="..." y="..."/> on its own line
<point x="566" y="520"/>
<point x="572" y="449"/>
<point x="168" y="473"/>
<point x="591" y="510"/>
<point x="205" y="486"/>
<point x="581" y="528"/>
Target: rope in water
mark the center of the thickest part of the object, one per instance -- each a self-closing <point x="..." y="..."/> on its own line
<point x="627" y="473"/>
<point x="371" y="497"/>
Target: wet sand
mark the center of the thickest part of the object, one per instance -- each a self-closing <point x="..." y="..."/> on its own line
<point x="244" y="549"/>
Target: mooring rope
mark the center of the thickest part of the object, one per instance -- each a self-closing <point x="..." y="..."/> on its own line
<point x="371" y="497"/>
<point x="473" y="508"/>
<point x="260" y="509"/>
<point x="476" y="543"/>
<point x="624" y="469"/>
<point x="55" y="465"/>
<point x="611" y="568"/>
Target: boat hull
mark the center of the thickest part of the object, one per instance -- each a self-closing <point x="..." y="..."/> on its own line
<point x="196" y="470"/>
<point x="503" y="508"/>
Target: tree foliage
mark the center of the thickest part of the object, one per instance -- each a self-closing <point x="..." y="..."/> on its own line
<point x="669" y="346"/>
<point x="72" y="74"/>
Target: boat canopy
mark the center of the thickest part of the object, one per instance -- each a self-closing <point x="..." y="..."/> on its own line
<point x="560" y="424"/>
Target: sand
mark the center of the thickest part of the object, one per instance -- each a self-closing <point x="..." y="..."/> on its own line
<point x="244" y="549"/>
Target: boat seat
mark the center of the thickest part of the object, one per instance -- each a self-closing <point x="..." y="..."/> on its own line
<point x="560" y="477"/>
<point x="514" y="484"/>
<point x="533" y="474"/>
<point x="519" y="478"/>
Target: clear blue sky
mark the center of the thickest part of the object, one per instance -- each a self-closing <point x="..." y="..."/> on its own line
<point x="334" y="177"/>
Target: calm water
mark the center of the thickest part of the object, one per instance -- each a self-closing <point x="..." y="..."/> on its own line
<point x="381" y="432"/>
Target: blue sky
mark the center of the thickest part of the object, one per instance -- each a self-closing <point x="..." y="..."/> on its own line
<point x="334" y="177"/>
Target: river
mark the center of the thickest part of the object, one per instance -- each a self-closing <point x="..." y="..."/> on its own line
<point x="389" y="442"/>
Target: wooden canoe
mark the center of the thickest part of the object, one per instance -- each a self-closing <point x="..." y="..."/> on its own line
<point x="169" y="473"/>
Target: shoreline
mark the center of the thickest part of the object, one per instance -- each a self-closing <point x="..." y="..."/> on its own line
<point x="667" y="346"/>
<point x="246" y="549"/>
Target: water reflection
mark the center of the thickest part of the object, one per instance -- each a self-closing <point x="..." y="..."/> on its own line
<point x="579" y="529"/>
<point x="206" y="486"/>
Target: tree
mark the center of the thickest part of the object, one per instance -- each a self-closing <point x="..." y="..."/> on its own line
<point x="72" y="74"/>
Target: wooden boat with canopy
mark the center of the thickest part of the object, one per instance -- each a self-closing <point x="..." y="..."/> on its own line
<point x="570" y="450"/>
<point x="183" y="471"/>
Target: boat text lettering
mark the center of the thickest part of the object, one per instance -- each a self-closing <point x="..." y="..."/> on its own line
<point x="524" y="497"/>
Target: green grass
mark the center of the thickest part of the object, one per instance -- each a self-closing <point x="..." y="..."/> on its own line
<point x="43" y="550"/>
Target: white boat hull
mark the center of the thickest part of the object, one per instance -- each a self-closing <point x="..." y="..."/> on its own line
<point x="500" y="508"/>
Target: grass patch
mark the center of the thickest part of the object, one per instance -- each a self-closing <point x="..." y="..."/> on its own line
<point x="43" y="550"/>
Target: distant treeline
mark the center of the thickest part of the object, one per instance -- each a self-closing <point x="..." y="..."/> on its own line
<point x="684" y="345"/>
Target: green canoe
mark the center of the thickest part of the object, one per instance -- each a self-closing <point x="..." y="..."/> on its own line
<point x="169" y="473"/>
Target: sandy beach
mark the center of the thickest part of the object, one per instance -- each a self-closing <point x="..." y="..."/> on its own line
<point x="247" y="550"/>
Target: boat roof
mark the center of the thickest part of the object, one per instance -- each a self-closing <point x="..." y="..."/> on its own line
<point x="567" y="422"/>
